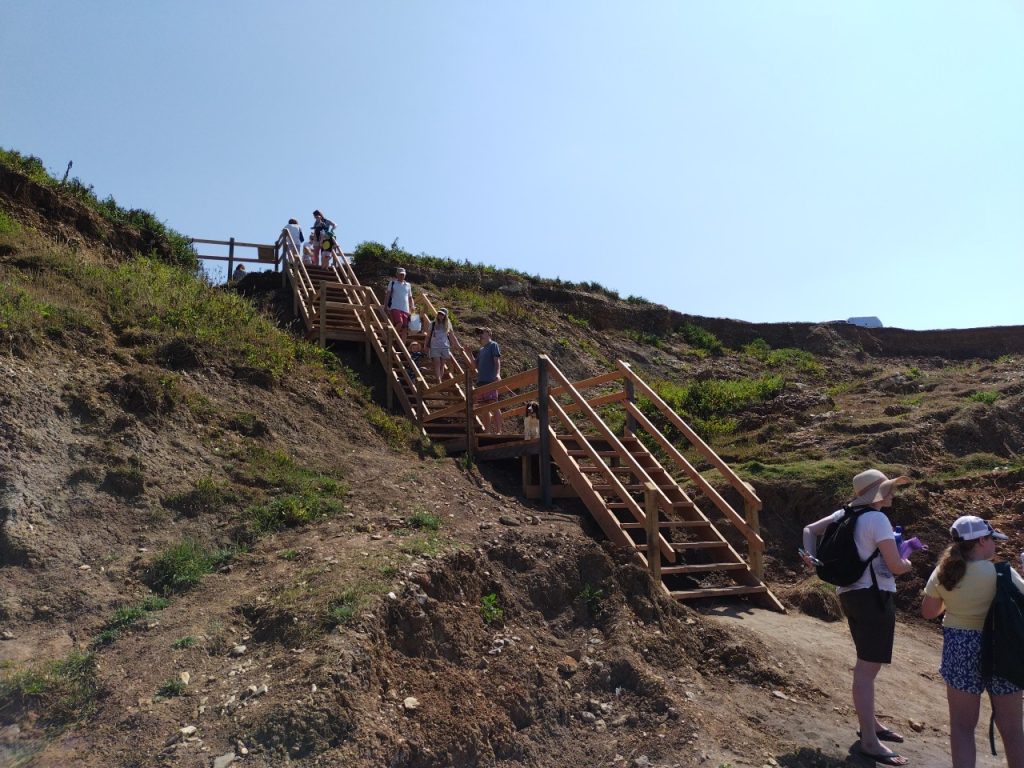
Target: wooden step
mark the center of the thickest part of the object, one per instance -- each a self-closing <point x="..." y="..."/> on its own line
<point x="741" y="589"/>
<point x="685" y="545"/>
<point x="579" y="452"/>
<point x="591" y="468"/>
<point x="704" y="568"/>
<point x="670" y="524"/>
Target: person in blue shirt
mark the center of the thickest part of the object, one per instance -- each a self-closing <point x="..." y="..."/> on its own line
<point x="488" y="370"/>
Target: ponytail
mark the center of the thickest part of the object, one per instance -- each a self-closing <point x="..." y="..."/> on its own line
<point x="953" y="563"/>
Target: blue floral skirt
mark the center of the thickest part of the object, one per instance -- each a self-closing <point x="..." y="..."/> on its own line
<point x="961" y="664"/>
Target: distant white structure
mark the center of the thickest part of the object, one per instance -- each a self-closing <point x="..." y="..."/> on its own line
<point x="865" y="322"/>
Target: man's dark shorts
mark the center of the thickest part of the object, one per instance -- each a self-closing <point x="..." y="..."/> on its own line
<point x="871" y="616"/>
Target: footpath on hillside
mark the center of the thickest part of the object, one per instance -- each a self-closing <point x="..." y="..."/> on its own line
<point x="910" y="692"/>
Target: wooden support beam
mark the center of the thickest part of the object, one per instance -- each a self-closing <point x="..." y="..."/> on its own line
<point x="469" y="414"/>
<point x="545" y="434"/>
<point x="653" y="534"/>
<point x="323" y="314"/>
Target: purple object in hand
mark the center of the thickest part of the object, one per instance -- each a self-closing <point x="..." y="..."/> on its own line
<point x="911" y="545"/>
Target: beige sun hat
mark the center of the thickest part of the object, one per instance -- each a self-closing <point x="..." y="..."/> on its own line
<point x="871" y="486"/>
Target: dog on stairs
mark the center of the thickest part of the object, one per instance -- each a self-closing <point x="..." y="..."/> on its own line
<point x="531" y="421"/>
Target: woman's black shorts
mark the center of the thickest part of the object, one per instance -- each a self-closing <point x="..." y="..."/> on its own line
<point x="871" y="615"/>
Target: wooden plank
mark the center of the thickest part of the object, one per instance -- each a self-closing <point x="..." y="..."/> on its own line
<point x="597" y="402"/>
<point x="704" y="568"/>
<point x="692" y="594"/>
<point x="687" y="545"/>
<point x="672" y="524"/>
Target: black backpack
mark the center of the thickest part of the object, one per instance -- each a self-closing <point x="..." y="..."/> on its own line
<point x="1003" y="636"/>
<point x="841" y="564"/>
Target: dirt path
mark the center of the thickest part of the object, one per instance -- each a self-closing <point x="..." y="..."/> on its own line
<point x="910" y="690"/>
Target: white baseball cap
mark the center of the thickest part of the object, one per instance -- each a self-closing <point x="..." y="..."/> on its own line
<point x="971" y="527"/>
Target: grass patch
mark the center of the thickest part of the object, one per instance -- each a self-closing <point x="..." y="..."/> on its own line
<point x="170" y="688"/>
<point x="278" y="472"/>
<point x="983" y="397"/>
<point x="702" y="339"/>
<point x="288" y="554"/>
<point x="301" y="495"/>
<point x="342" y="609"/>
<point x="490" y="303"/>
<point x="786" y="357"/>
<point x="207" y="496"/>
<point x="645" y="337"/>
<point x="580" y="322"/>
<point x="829" y="477"/>
<point x="464" y="272"/>
<point x="61" y="692"/>
<point x="709" y="405"/>
<point x="27" y="317"/>
<point x="490" y="609"/>
<point x="183" y="642"/>
<point x="430" y="544"/>
<point x="126" y="616"/>
<point x="592" y="597"/>
<point x="8" y="226"/>
<point x="179" y="567"/>
<point x="291" y="511"/>
<point x="423" y="520"/>
<point x="156" y="303"/>
<point x="154" y="232"/>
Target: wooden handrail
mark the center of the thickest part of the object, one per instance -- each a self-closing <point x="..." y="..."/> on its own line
<point x="612" y="479"/>
<point x="608" y="435"/>
<point x="695" y="440"/>
<point x="753" y="538"/>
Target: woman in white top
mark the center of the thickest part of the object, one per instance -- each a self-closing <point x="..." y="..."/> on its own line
<point x="963" y="586"/>
<point x="868" y="602"/>
<point x="440" y="341"/>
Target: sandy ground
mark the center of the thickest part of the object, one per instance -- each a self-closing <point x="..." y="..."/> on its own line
<point x="910" y="690"/>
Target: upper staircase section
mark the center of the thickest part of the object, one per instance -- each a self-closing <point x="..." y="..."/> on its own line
<point x="641" y="487"/>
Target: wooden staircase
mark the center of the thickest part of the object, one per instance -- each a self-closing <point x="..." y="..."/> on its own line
<point x="638" y="485"/>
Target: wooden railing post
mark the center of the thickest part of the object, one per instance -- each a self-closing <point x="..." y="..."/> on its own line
<point x="231" y="259"/>
<point x="651" y="524"/>
<point x="323" y="314"/>
<point x="389" y="341"/>
<point x="630" y="397"/>
<point x="470" y="432"/>
<point x="544" y="457"/>
<point x="752" y="513"/>
<point x="369" y="335"/>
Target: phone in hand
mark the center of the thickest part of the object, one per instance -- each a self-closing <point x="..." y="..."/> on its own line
<point x="804" y="553"/>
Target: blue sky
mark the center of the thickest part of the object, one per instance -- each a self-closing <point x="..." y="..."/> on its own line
<point x="782" y="161"/>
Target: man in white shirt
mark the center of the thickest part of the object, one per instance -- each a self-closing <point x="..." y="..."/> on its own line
<point x="295" y="232"/>
<point x="400" y="303"/>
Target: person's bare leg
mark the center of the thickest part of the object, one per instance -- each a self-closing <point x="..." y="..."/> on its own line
<point x="1008" y="712"/>
<point x="864" y="674"/>
<point x="963" y="719"/>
